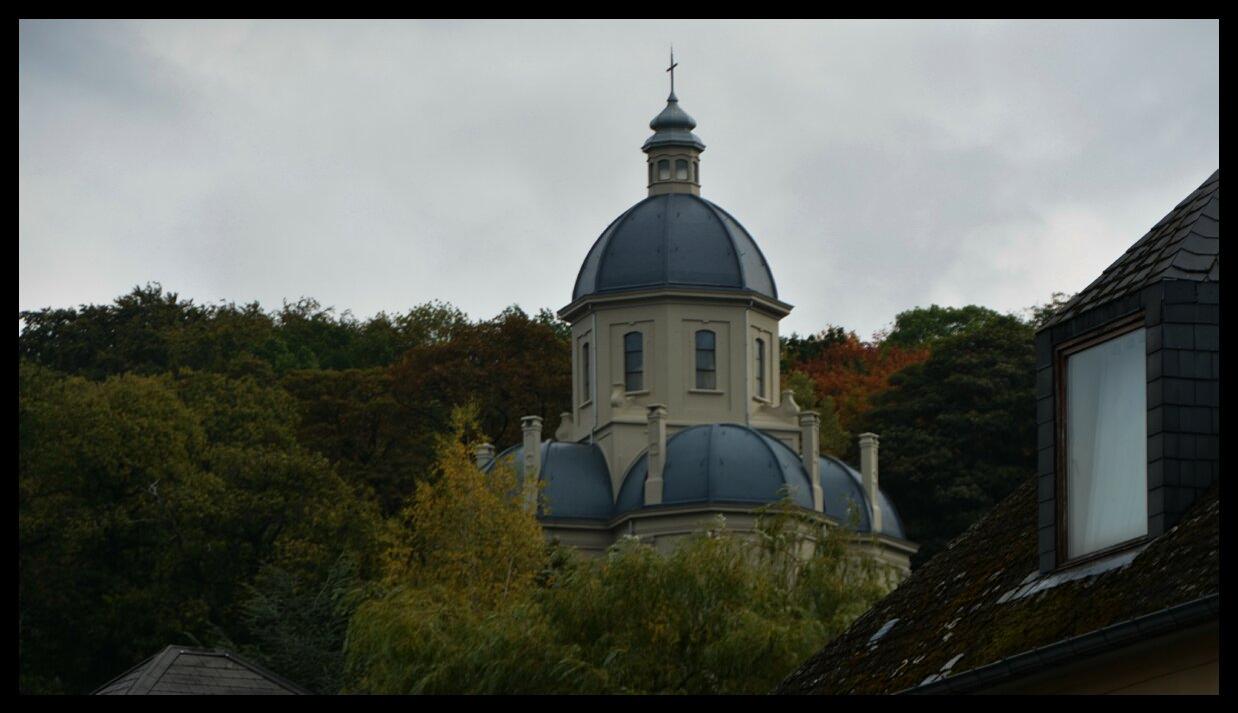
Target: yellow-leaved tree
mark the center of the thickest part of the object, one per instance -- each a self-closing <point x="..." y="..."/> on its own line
<point x="461" y="561"/>
<point x="474" y="601"/>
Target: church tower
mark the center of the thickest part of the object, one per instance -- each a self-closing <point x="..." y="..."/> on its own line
<point x="677" y="415"/>
<point x="675" y="307"/>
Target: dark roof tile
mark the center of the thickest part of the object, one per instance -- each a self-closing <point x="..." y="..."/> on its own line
<point x="1192" y="228"/>
<point x="180" y="670"/>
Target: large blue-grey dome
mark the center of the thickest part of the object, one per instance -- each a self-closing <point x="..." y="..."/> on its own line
<point x="730" y="463"/>
<point x="720" y="463"/>
<point x="674" y="240"/>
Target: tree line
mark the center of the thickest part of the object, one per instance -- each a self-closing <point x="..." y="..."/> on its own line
<point x="273" y="482"/>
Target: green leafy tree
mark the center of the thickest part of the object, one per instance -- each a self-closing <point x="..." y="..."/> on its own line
<point x="510" y="366"/>
<point x="958" y="430"/>
<point x="924" y="326"/>
<point x="1039" y="314"/>
<point x="133" y="334"/>
<point x="146" y="502"/>
<point x="796" y="349"/>
<point x="353" y="418"/>
<point x="835" y="440"/>
<point x="297" y="625"/>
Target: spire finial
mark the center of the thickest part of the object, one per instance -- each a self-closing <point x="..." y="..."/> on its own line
<point x="671" y="69"/>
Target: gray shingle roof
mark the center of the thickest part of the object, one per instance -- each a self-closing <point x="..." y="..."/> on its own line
<point x="181" y="670"/>
<point x="1183" y="245"/>
<point x="674" y="240"/>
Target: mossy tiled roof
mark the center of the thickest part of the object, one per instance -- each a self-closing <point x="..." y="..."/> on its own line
<point x="983" y="600"/>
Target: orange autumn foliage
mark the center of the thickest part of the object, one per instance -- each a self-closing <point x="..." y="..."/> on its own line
<point x="852" y="371"/>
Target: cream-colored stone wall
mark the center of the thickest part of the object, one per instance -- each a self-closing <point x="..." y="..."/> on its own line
<point x="668" y="324"/>
<point x="673" y="184"/>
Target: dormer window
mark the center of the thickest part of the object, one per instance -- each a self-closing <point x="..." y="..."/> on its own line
<point x="1104" y="383"/>
<point x="706" y="363"/>
<point x="664" y="170"/>
<point x="633" y="362"/>
<point x="1128" y="392"/>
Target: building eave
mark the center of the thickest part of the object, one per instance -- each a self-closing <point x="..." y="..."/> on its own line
<point x="1109" y="638"/>
<point x="660" y="293"/>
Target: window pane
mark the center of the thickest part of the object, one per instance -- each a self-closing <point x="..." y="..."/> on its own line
<point x="664" y="170"/>
<point x="681" y="169"/>
<point x="705" y="359"/>
<point x="706" y="374"/>
<point x="633" y="361"/>
<point x="584" y="372"/>
<point x="760" y="368"/>
<point x="1106" y="444"/>
<point x="706" y="379"/>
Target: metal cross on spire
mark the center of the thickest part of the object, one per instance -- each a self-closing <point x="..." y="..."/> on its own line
<point x="671" y="69"/>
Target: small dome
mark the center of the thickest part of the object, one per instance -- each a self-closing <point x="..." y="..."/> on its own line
<point x="720" y="463"/>
<point x="729" y="463"/>
<point x="577" y="481"/>
<point x="842" y="488"/>
<point x="674" y="240"/>
<point x="673" y="127"/>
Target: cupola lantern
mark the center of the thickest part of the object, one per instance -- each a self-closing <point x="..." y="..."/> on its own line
<point x="673" y="152"/>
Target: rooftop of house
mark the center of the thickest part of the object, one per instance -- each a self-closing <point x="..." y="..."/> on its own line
<point x="983" y="601"/>
<point x="1184" y="245"/>
<point x="188" y="671"/>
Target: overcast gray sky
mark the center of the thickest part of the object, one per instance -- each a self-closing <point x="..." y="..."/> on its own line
<point x="377" y="165"/>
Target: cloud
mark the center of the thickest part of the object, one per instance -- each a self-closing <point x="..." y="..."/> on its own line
<point x="377" y="165"/>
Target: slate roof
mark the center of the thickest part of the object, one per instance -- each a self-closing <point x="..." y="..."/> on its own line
<point x="181" y="670"/>
<point x="1183" y="245"/>
<point x="577" y="483"/>
<point x="984" y="601"/>
<point x="674" y="240"/>
<point x="720" y="463"/>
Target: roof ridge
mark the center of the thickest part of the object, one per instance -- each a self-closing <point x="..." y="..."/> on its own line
<point x="773" y="283"/>
<point x="162" y="662"/>
<point x="1151" y="258"/>
<point x="739" y="262"/>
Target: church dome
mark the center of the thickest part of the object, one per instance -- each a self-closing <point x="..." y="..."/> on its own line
<point x="674" y="240"/>
<point x="720" y="463"/>
<point x="576" y="482"/>
<point x="843" y="491"/>
<point x="729" y="463"/>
